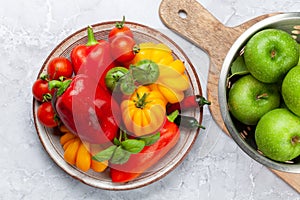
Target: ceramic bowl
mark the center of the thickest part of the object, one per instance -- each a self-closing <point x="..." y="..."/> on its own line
<point x="50" y="138"/>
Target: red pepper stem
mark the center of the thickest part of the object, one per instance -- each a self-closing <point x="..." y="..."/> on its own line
<point x="60" y="85"/>
<point x="54" y="84"/>
<point x="91" y="37"/>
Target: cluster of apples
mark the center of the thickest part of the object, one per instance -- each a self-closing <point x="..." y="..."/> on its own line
<point x="266" y="93"/>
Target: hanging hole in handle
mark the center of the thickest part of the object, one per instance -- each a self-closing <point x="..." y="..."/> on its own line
<point x="182" y="14"/>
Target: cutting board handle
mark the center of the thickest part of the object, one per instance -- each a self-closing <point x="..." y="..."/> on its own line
<point x="191" y="20"/>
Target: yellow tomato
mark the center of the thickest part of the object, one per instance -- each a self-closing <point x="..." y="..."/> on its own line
<point x="172" y="78"/>
<point x="144" y="112"/>
<point x="178" y="83"/>
<point x="71" y="151"/>
<point x="173" y="96"/>
<point x="96" y="165"/>
<point x="83" y="158"/>
<point x="158" y="53"/>
<point x="80" y="153"/>
<point x="177" y="66"/>
<point x="154" y="89"/>
<point x="144" y="53"/>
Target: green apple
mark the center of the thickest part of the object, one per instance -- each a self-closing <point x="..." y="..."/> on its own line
<point x="249" y="99"/>
<point x="290" y="90"/>
<point x="277" y="135"/>
<point x="299" y="55"/>
<point x="270" y="54"/>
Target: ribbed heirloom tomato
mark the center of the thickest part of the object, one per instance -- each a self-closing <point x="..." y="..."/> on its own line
<point x="144" y="112"/>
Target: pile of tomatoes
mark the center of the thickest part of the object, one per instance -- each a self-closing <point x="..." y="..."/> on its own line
<point x="119" y="49"/>
<point x="59" y="67"/>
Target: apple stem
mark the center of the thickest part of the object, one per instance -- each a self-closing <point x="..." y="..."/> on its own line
<point x="262" y="96"/>
<point x="295" y="140"/>
<point x="273" y="53"/>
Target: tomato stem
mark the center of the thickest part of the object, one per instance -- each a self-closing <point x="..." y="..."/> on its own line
<point x="47" y="97"/>
<point x="141" y="102"/>
<point x="136" y="49"/>
<point x="44" y="77"/>
<point x="91" y="37"/>
<point x="120" y="25"/>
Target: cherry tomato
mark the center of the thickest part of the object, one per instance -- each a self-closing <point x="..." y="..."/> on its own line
<point x="46" y="115"/>
<point x="123" y="48"/>
<point x="41" y="91"/>
<point x="59" y="67"/>
<point x="119" y="29"/>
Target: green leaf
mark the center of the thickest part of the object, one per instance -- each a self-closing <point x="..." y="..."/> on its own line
<point x="238" y="67"/>
<point x="133" y="145"/>
<point x="106" y="154"/>
<point x="150" y="139"/>
<point x="117" y="142"/>
<point x="120" y="156"/>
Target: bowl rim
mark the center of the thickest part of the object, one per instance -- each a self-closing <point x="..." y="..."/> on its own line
<point x="222" y="90"/>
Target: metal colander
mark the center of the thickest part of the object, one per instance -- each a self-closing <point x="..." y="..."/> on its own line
<point x="244" y="135"/>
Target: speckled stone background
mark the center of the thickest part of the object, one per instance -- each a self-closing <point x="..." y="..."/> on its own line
<point x="215" y="168"/>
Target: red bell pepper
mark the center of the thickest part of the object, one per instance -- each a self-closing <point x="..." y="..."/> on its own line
<point x="93" y="58"/>
<point x="149" y="156"/>
<point x="87" y="109"/>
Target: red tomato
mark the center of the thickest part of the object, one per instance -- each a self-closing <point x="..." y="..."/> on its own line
<point x="46" y="115"/>
<point x="120" y="29"/>
<point x="40" y="90"/>
<point x="78" y="56"/>
<point x="58" y="67"/>
<point x="123" y="48"/>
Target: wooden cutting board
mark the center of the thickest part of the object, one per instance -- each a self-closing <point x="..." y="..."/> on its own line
<point x="191" y="20"/>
